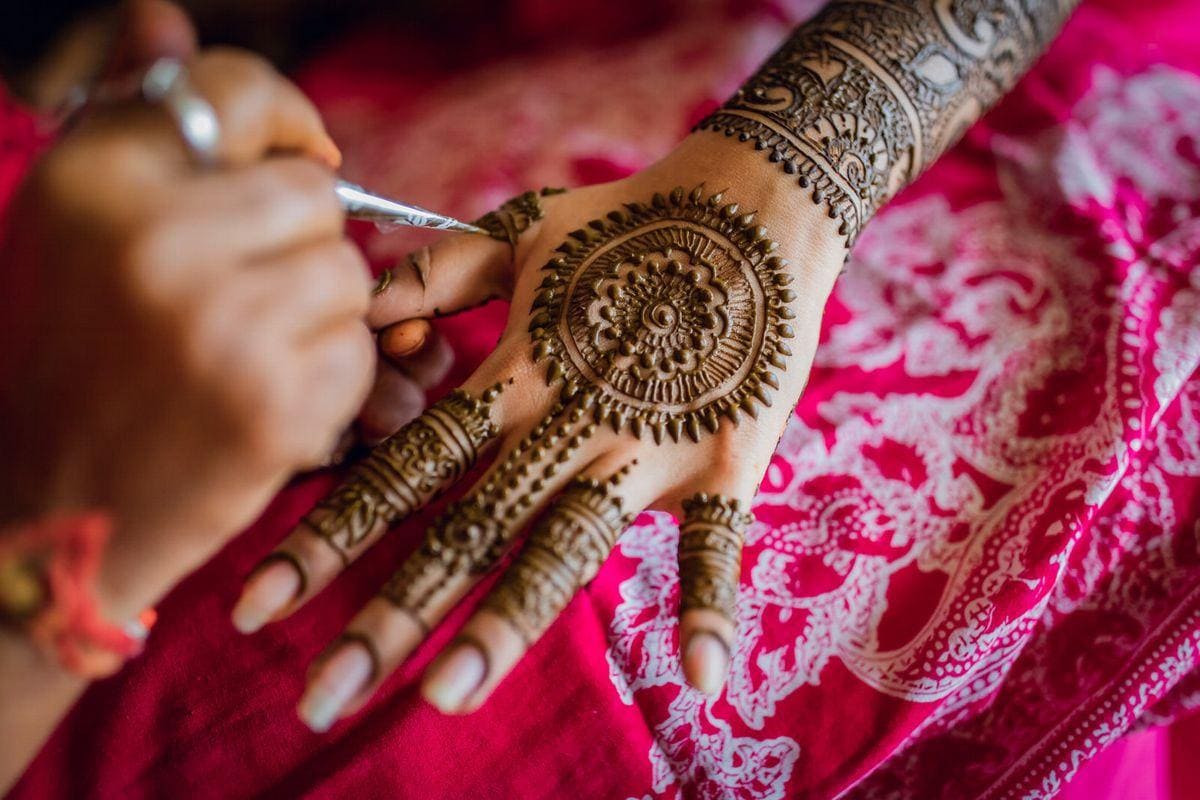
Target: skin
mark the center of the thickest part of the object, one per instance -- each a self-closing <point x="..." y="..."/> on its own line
<point x="726" y="463"/>
<point x="170" y="329"/>
<point x="849" y="110"/>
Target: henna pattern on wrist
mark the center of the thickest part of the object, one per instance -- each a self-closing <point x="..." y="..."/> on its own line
<point x="406" y="471"/>
<point x="869" y="92"/>
<point x="515" y="216"/>
<point x="666" y="317"/>
<point x="564" y="553"/>
<point x="710" y="553"/>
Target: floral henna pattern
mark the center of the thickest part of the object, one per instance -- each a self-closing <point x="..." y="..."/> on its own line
<point x="662" y="318"/>
<point x="868" y="93"/>
<point x="407" y="471"/>
<point x="710" y="553"/>
<point x="667" y="316"/>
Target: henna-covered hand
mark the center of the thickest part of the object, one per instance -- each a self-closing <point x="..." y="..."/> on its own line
<point x="657" y="341"/>
<point x="661" y="330"/>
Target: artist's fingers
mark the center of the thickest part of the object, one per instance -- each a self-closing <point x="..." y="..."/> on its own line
<point x="710" y="569"/>
<point x="399" y="477"/>
<point x="254" y="212"/>
<point x="149" y="30"/>
<point x="460" y="271"/>
<point x="564" y="553"/>
<point x="312" y="288"/>
<point x="259" y="110"/>
<point x="460" y="546"/>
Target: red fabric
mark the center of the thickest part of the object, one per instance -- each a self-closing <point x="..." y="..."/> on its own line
<point x="977" y="561"/>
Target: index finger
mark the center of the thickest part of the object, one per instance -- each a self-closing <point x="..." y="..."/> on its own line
<point x="259" y="110"/>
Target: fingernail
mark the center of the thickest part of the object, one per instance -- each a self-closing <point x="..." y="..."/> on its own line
<point x="340" y="678"/>
<point x="706" y="662"/>
<point x="455" y="676"/>
<point x="403" y="340"/>
<point x="269" y="590"/>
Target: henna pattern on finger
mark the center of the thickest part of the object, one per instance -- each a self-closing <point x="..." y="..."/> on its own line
<point x="382" y="283"/>
<point x="515" y="216"/>
<point x="564" y="552"/>
<point x="867" y="93"/>
<point x="662" y="319"/>
<point x="406" y="471"/>
<point x="474" y="532"/>
<point x="710" y="553"/>
<point x="666" y="317"/>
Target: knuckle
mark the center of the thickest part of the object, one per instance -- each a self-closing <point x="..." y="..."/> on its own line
<point x="146" y="255"/>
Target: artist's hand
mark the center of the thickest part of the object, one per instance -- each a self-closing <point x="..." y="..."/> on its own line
<point x="194" y="337"/>
<point x="653" y="355"/>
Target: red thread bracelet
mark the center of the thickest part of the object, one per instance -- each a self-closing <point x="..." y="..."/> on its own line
<point x="48" y="571"/>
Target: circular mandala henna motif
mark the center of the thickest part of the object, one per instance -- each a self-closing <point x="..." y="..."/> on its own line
<point x="666" y="317"/>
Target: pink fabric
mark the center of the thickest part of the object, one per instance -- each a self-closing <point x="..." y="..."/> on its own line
<point x="977" y="561"/>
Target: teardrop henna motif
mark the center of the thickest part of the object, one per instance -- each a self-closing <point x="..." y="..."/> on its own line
<point x="514" y="216"/>
<point x="710" y="553"/>
<point x="666" y="317"/>
<point x="406" y="471"/>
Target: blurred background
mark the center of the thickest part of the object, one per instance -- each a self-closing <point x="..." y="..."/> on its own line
<point x="49" y="46"/>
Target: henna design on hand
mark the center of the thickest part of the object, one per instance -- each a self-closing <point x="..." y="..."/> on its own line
<point x="473" y="533"/>
<point x="869" y="92"/>
<point x="407" y="470"/>
<point x="565" y="551"/>
<point x="666" y="317"/>
<point x="710" y="553"/>
<point x="663" y="317"/>
<point x="514" y="216"/>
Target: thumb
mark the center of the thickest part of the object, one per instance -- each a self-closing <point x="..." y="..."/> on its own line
<point x="456" y="273"/>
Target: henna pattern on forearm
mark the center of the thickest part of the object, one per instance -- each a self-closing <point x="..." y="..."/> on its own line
<point x="869" y="92"/>
<point x="710" y="553"/>
<point x="564" y="553"/>
<point x="406" y="471"/>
